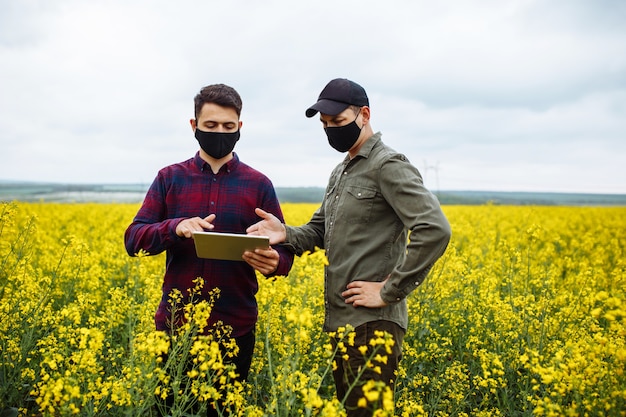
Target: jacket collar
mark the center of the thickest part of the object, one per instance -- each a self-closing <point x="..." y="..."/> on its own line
<point x="368" y="146"/>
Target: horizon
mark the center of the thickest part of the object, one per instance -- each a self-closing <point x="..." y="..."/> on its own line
<point x="145" y="186"/>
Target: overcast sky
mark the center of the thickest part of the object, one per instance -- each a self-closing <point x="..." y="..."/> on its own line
<point x="500" y="95"/>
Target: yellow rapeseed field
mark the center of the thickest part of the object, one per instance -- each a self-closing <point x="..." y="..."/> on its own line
<point x="523" y="316"/>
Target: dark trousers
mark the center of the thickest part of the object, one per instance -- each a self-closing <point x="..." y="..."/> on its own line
<point x="242" y="362"/>
<point x="351" y="363"/>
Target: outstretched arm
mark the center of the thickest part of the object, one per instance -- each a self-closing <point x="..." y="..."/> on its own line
<point x="270" y="226"/>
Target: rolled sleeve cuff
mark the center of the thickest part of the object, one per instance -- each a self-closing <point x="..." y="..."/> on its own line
<point x="289" y="238"/>
<point x="393" y="296"/>
<point x="391" y="293"/>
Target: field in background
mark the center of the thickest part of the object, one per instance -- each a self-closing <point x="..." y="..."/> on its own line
<point x="524" y="316"/>
<point x="132" y="193"/>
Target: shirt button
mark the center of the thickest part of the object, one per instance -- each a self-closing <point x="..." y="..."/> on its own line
<point x="359" y="194"/>
<point x="212" y="203"/>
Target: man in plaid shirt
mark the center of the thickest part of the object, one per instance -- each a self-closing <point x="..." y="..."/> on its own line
<point x="213" y="191"/>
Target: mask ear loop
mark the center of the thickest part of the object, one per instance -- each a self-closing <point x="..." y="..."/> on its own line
<point x="357" y="116"/>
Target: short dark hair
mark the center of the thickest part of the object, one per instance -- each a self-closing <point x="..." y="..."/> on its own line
<point x="355" y="109"/>
<point x="220" y="94"/>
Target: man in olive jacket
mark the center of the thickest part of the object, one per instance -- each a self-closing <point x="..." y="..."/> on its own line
<point x="382" y="231"/>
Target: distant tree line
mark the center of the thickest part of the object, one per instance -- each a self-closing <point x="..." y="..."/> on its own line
<point x="53" y="192"/>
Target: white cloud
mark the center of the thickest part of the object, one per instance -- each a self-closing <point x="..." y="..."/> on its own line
<point x="505" y="95"/>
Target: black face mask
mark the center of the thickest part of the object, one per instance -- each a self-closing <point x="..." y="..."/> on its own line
<point x="343" y="138"/>
<point x="217" y="144"/>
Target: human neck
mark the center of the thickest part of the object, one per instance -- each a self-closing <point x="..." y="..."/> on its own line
<point x="215" y="164"/>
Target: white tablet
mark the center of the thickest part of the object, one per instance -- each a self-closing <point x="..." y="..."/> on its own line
<point x="226" y="246"/>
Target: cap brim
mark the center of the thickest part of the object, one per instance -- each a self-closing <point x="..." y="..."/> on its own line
<point x="325" y="106"/>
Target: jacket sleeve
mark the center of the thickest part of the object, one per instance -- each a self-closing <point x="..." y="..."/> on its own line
<point x="307" y="237"/>
<point x="421" y="214"/>
<point x="271" y="204"/>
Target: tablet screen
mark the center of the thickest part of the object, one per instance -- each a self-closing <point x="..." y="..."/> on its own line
<point x="226" y="246"/>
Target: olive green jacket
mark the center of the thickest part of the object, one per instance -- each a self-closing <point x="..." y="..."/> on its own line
<point x="372" y="203"/>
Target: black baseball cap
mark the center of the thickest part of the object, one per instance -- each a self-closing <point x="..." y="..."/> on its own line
<point x="337" y="96"/>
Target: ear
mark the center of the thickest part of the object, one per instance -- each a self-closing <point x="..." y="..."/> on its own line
<point x="192" y="122"/>
<point x="365" y="114"/>
<point x="240" y="124"/>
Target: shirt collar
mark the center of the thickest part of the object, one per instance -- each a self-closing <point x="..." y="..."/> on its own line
<point x="227" y="167"/>
<point x="367" y="147"/>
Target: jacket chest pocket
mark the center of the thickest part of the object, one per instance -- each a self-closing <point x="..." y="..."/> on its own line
<point x="357" y="204"/>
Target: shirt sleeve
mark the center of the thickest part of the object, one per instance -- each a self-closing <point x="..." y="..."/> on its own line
<point x="307" y="237"/>
<point x="421" y="214"/>
<point x="150" y="230"/>
<point x="285" y="254"/>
